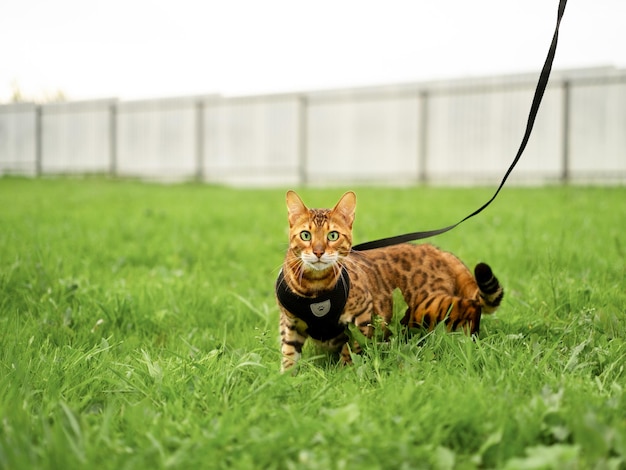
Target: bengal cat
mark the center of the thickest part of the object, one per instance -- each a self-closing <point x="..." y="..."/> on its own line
<point x="324" y="285"/>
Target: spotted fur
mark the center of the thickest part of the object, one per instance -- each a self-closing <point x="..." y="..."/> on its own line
<point x="435" y="284"/>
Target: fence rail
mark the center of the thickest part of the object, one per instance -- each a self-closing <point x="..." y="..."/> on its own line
<point x="454" y="132"/>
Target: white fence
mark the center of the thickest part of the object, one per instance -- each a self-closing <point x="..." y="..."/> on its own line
<point x="454" y="132"/>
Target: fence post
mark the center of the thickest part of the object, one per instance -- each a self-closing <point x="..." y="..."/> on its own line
<point x="38" y="140"/>
<point x="565" y="166"/>
<point x="113" y="139"/>
<point x="422" y="138"/>
<point x="303" y="139"/>
<point x="199" y="131"/>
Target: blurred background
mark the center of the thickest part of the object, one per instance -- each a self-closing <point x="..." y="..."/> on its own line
<point x="297" y="92"/>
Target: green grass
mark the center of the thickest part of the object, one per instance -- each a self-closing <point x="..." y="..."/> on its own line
<point x="138" y="329"/>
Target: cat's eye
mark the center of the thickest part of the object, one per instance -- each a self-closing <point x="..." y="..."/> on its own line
<point x="305" y="235"/>
<point x="333" y="236"/>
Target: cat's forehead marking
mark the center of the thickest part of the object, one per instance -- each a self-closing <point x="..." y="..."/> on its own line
<point x="319" y="216"/>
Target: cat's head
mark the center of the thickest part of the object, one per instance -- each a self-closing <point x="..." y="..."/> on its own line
<point x="320" y="238"/>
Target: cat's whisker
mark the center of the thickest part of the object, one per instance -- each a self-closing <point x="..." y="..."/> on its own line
<point x="299" y="273"/>
<point x="295" y="266"/>
<point x="345" y="280"/>
<point x="278" y="268"/>
<point x="357" y="264"/>
<point x="358" y="258"/>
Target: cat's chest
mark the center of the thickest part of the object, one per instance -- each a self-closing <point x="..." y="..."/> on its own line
<point x="322" y="312"/>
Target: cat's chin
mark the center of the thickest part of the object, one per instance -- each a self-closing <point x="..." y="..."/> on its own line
<point x="319" y="266"/>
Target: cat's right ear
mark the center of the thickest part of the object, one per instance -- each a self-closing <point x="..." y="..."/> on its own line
<point x="295" y="207"/>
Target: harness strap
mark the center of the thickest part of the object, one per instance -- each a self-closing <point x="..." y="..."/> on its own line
<point x="320" y="313"/>
<point x="534" y="108"/>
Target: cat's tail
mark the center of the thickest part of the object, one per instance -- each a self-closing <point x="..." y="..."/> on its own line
<point x="490" y="290"/>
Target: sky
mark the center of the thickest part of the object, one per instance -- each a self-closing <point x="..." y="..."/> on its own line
<point x="137" y="49"/>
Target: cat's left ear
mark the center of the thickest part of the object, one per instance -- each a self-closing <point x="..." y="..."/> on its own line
<point x="346" y="207"/>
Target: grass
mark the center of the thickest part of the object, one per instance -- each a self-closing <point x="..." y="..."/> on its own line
<point x="138" y="329"/>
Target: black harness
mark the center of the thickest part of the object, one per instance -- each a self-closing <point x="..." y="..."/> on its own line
<point x="321" y="313"/>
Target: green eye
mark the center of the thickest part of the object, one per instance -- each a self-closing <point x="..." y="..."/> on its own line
<point x="305" y="235"/>
<point x="332" y="236"/>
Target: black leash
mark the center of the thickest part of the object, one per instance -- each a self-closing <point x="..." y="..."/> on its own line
<point x="539" y="91"/>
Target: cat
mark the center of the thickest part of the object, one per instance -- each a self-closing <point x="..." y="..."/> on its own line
<point x="324" y="285"/>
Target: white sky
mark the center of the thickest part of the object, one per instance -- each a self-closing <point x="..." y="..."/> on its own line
<point x="151" y="48"/>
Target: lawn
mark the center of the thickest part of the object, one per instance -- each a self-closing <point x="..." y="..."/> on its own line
<point x="138" y="329"/>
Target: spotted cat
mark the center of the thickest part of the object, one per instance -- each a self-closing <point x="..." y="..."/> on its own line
<point x="324" y="285"/>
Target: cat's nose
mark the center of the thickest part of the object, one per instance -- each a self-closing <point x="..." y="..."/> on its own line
<point x="318" y="251"/>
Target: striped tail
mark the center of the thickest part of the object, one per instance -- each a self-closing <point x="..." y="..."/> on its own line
<point x="491" y="292"/>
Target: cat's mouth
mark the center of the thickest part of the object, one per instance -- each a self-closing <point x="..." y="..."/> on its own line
<point x="319" y="265"/>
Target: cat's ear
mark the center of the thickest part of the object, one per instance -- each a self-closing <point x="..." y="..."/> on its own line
<point x="295" y="207"/>
<point x="346" y="207"/>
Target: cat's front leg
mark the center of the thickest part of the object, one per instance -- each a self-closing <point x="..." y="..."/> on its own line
<point x="359" y="312"/>
<point x="340" y="344"/>
<point x="291" y="340"/>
